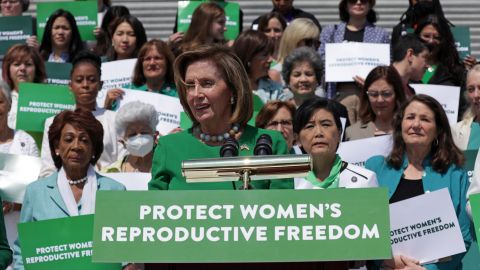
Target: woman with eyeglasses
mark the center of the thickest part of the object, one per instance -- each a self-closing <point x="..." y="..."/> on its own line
<point x="357" y="25"/>
<point x="382" y="95"/>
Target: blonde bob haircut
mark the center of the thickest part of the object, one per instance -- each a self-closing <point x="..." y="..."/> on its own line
<point x="298" y="30"/>
<point x="233" y="73"/>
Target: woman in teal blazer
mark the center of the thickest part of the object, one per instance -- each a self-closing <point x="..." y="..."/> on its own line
<point x="424" y="158"/>
<point x="76" y="143"/>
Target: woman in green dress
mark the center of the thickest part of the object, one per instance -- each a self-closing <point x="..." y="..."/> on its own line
<point x="214" y="92"/>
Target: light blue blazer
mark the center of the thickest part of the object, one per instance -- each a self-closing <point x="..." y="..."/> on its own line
<point x="455" y="179"/>
<point x="43" y="201"/>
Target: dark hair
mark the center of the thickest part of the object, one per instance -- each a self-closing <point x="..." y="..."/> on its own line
<point x="309" y="107"/>
<point x="344" y="16"/>
<point x="137" y="26"/>
<point x="410" y="17"/>
<point x="87" y="57"/>
<point x="233" y="73"/>
<point x="76" y="43"/>
<point x="199" y="30"/>
<point x="269" y="110"/>
<point x="79" y="119"/>
<point x="265" y="19"/>
<point x="248" y="44"/>
<point x="104" y="39"/>
<point x="446" y="52"/>
<point x="20" y="52"/>
<point x="406" y="42"/>
<point x="443" y="153"/>
<point x="163" y="49"/>
<point x="389" y="74"/>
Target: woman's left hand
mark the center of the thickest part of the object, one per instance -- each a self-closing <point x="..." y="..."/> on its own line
<point x="32" y="42"/>
<point x="359" y="81"/>
<point x="469" y="61"/>
<point x="131" y="266"/>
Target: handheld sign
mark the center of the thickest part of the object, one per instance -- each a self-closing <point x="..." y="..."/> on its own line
<point x="14" y="30"/>
<point x="358" y="151"/>
<point x="425" y="227"/>
<point x="115" y="74"/>
<point x="448" y="96"/>
<point x="343" y="61"/>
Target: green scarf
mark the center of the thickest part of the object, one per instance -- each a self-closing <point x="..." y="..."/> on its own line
<point x="429" y="74"/>
<point x="332" y="180"/>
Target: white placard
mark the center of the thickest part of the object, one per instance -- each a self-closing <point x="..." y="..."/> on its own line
<point x="168" y="108"/>
<point x="16" y="172"/>
<point x="425" y="227"/>
<point x="115" y="74"/>
<point x="343" y="61"/>
<point x="358" y="151"/>
<point x="132" y="181"/>
<point x="448" y="96"/>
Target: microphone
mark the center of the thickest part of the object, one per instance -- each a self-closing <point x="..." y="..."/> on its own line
<point x="229" y="148"/>
<point x="263" y="146"/>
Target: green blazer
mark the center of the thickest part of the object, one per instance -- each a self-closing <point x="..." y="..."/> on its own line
<point x="172" y="149"/>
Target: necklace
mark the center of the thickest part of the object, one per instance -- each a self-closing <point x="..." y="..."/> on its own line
<point x="79" y="181"/>
<point x="216" y="138"/>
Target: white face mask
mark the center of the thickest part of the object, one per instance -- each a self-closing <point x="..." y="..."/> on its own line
<point x="140" y="145"/>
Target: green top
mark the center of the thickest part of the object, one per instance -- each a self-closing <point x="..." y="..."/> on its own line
<point x="429" y="74"/>
<point x="172" y="149"/>
<point x="5" y="251"/>
<point x="474" y="140"/>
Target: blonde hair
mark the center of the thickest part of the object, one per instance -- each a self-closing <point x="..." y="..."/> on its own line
<point x="469" y="113"/>
<point x="298" y="30"/>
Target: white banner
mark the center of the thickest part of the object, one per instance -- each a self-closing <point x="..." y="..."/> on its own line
<point x="448" y="96"/>
<point x="343" y="61"/>
<point x="425" y="227"/>
<point x="115" y="74"/>
<point x="358" y="151"/>
<point x="168" y="108"/>
<point x="132" y="181"/>
<point x="16" y="172"/>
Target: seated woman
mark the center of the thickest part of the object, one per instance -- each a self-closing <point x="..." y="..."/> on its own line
<point x="381" y="97"/>
<point x="278" y="115"/>
<point x="22" y="63"/>
<point x="424" y="158"/>
<point x="128" y="36"/>
<point x="466" y="133"/>
<point x="317" y="129"/>
<point x="255" y="51"/>
<point x="302" y="72"/>
<point x="16" y="142"/>
<point x="85" y="84"/>
<point x="75" y="145"/>
<point x="153" y="72"/>
<point x="61" y="40"/>
<point x="136" y="124"/>
<point x="214" y="92"/>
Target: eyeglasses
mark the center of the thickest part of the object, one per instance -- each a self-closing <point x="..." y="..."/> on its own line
<point x="13" y="2"/>
<point x="385" y="94"/>
<point x="428" y="36"/>
<point x="284" y="123"/>
<point x="311" y="42"/>
<point x="353" y="2"/>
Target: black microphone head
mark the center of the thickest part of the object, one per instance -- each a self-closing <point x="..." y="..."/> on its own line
<point x="229" y="148"/>
<point x="263" y="146"/>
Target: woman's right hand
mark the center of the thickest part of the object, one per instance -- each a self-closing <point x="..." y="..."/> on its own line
<point x="7" y="207"/>
<point x="402" y="263"/>
<point x="112" y="95"/>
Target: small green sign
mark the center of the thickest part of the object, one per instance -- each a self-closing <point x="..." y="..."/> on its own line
<point x="37" y="102"/>
<point x="470" y="157"/>
<point x="85" y="13"/>
<point x="461" y="34"/>
<point x="58" y="73"/>
<point x="58" y="244"/>
<point x="241" y="226"/>
<point x="14" y="30"/>
<point x="232" y="14"/>
<point x="475" y="206"/>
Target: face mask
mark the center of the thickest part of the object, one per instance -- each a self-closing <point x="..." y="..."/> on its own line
<point x="140" y="145"/>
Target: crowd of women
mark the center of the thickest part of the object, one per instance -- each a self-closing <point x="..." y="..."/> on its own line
<point x="275" y="70"/>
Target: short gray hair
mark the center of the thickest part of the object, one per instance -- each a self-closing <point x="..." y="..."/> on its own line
<point x="302" y="54"/>
<point x="133" y="112"/>
<point x="6" y="91"/>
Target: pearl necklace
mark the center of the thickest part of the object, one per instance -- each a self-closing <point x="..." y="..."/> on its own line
<point x="79" y="181"/>
<point x="216" y="138"/>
